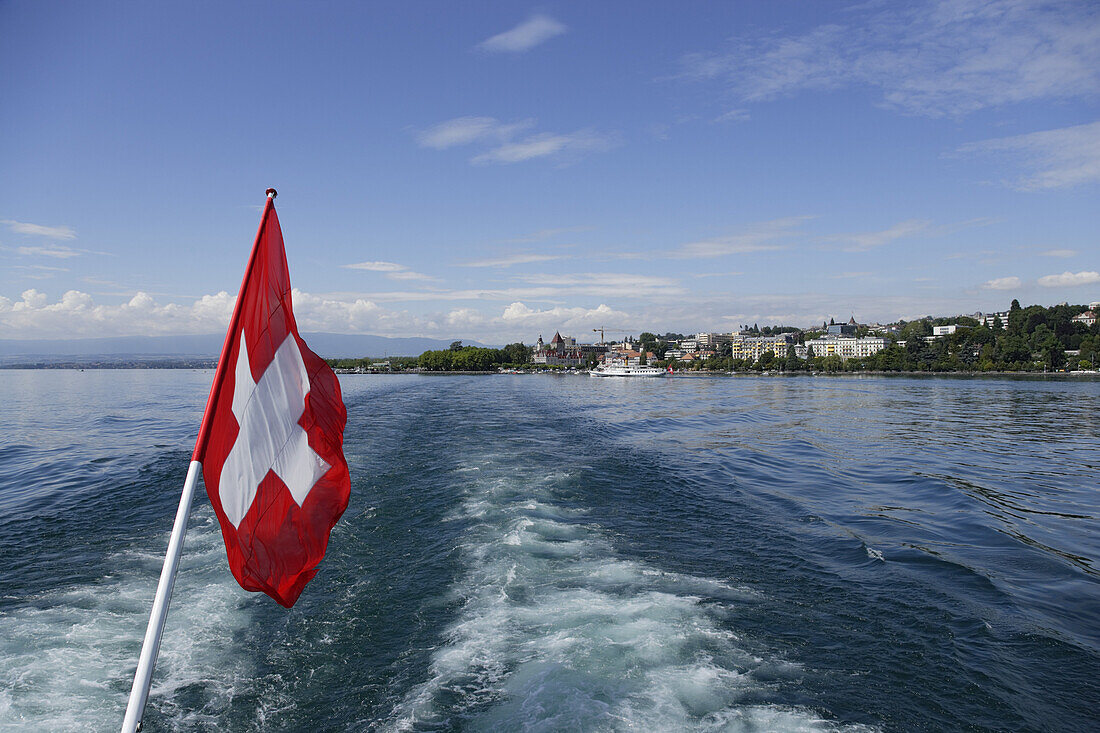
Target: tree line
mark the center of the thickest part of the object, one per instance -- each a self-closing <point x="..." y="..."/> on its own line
<point x="1035" y="338"/>
<point x="459" y="358"/>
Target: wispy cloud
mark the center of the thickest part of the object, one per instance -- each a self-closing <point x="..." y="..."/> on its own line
<point x="376" y="266"/>
<point x="1070" y="279"/>
<point x="506" y="143"/>
<point x="734" y="115"/>
<point x="605" y="283"/>
<point x="1002" y="283"/>
<point x="392" y="270"/>
<point x="466" y="130"/>
<point x="38" y="272"/>
<point x="57" y="251"/>
<point x="935" y="58"/>
<point x="1059" y="253"/>
<point x="545" y="144"/>
<point x="731" y="273"/>
<point x="525" y="36"/>
<point x="39" y="230"/>
<point x="520" y="258"/>
<point x="864" y="241"/>
<point x="851" y="275"/>
<point x="54" y="251"/>
<point x="1062" y="158"/>
<point x="763" y="237"/>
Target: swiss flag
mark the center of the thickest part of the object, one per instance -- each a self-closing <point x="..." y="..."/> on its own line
<point x="271" y="441"/>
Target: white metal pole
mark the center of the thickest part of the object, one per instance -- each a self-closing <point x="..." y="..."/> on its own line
<point x="139" y="693"/>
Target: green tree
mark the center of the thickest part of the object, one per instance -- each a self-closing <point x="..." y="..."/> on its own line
<point x="516" y="353"/>
<point x="792" y="363"/>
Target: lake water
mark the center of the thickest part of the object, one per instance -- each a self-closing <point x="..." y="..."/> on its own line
<point x="565" y="553"/>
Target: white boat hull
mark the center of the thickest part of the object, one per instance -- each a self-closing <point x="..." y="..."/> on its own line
<point x="618" y="371"/>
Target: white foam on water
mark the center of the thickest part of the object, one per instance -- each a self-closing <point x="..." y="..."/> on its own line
<point x="67" y="656"/>
<point x="558" y="632"/>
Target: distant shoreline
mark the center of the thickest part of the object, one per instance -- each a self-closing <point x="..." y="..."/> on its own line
<point x="210" y="364"/>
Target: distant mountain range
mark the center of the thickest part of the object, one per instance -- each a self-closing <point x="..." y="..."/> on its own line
<point x="328" y="345"/>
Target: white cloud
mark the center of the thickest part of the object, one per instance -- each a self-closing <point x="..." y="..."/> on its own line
<point x="503" y="144"/>
<point x="58" y="251"/>
<point x="934" y="58"/>
<point x="39" y="230"/>
<point x="1062" y="158"/>
<point x="376" y="266"/>
<point x="762" y="237"/>
<point x="392" y="270"/>
<point x="1070" y="279"/>
<point x="734" y="115"/>
<point x="409" y="275"/>
<point x="465" y="130"/>
<point x="519" y="319"/>
<point x="604" y="284"/>
<point x="38" y="272"/>
<point x="869" y="240"/>
<point x="1059" y="253"/>
<point x="731" y="273"/>
<point x="525" y="36"/>
<point x="77" y="314"/>
<point x="1002" y="283"/>
<point x="545" y="144"/>
<point x="520" y="258"/>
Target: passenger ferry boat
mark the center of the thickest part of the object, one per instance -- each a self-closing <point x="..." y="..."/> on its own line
<point x="620" y="369"/>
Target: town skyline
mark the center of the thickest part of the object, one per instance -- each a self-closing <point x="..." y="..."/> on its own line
<point x="489" y="175"/>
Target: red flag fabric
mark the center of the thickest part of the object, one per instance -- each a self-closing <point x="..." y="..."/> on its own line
<point x="271" y="441"/>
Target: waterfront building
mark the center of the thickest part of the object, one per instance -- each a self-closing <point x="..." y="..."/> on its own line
<point x="843" y="329"/>
<point x="561" y="351"/>
<point x="1088" y="317"/>
<point x="753" y="347"/>
<point x="712" y="340"/>
<point x="847" y="347"/>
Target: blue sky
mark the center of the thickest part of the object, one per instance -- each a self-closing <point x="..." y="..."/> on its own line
<point x="497" y="170"/>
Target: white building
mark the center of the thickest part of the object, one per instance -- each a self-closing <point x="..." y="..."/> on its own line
<point x="711" y="340"/>
<point x="846" y="347"/>
<point x="987" y="319"/>
<point x="1088" y="317"/>
<point x="944" y="330"/>
<point x="753" y="347"/>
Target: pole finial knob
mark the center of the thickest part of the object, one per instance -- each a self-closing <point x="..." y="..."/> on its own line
<point x="271" y="193"/>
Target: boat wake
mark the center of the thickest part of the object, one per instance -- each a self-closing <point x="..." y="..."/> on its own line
<point x="69" y="653"/>
<point x="557" y="632"/>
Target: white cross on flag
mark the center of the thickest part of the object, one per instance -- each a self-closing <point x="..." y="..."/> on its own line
<point x="271" y="441"/>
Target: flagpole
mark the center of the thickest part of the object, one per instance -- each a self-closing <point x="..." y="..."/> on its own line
<point x="150" y="646"/>
<point x="139" y="693"/>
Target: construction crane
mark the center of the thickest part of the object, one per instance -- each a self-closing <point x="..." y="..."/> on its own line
<point x="608" y="330"/>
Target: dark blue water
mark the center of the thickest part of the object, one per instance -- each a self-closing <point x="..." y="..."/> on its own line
<point x="565" y="553"/>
